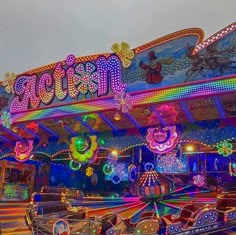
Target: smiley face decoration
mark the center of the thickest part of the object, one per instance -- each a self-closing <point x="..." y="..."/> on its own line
<point x="84" y="148"/>
<point x="162" y="139"/>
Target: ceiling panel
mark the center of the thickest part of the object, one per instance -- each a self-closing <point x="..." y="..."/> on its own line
<point x="203" y="109"/>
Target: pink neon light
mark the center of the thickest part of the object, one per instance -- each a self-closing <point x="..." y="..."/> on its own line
<point x="162" y="140"/>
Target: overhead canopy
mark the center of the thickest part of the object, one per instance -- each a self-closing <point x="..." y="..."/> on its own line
<point x="175" y="80"/>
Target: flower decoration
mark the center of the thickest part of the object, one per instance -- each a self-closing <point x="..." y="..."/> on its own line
<point x="123" y="101"/>
<point x="162" y="140"/>
<point x="74" y="165"/>
<point x="199" y="180"/>
<point x="87" y="78"/>
<point x="124" y="52"/>
<point x="84" y="149"/>
<point x="168" y="113"/>
<point x="6" y="119"/>
<point x="23" y="149"/>
<point x="8" y="81"/>
<point x="89" y="171"/>
<point x="32" y="126"/>
<point x="225" y="148"/>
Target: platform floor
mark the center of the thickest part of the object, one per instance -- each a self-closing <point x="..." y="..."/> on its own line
<point x="12" y="219"/>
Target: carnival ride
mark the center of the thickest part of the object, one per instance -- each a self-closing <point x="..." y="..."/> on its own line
<point x="147" y="135"/>
<point x="97" y="215"/>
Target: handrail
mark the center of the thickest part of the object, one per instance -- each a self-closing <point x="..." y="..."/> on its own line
<point x="43" y="227"/>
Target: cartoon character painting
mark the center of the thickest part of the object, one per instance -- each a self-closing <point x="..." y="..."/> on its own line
<point x="61" y="227"/>
<point x="153" y="68"/>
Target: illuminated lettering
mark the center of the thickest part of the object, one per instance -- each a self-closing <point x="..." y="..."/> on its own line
<point x="67" y="80"/>
<point x="58" y="75"/>
<point x="44" y="82"/>
<point x="109" y="70"/>
<point x="25" y="89"/>
<point x="72" y="82"/>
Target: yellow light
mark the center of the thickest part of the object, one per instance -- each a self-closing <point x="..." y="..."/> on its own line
<point x="117" y="116"/>
<point x="114" y="153"/>
<point x="189" y="148"/>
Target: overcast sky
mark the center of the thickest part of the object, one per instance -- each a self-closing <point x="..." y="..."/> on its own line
<point x="39" y="32"/>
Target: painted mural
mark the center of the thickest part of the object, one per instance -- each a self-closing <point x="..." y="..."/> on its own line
<point x="174" y="63"/>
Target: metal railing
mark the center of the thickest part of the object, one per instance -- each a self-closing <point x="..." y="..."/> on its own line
<point x="45" y="226"/>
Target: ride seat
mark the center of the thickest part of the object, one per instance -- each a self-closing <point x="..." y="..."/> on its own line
<point x="129" y="223"/>
<point x="78" y="216"/>
<point x="148" y="214"/>
<point x="107" y="222"/>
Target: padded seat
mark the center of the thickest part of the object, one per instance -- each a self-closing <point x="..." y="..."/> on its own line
<point x="184" y="217"/>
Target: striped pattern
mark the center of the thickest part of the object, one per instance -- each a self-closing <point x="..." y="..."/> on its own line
<point x="223" y="85"/>
<point x="12" y="219"/>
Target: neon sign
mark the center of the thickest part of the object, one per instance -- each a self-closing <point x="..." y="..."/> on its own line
<point x="69" y="80"/>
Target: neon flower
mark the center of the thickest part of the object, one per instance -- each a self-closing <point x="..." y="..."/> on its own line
<point x="199" y="180"/>
<point x="168" y="112"/>
<point x="89" y="171"/>
<point x="123" y="101"/>
<point x="6" y="119"/>
<point x="84" y="149"/>
<point x="23" y="149"/>
<point x="8" y="81"/>
<point x="162" y="140"/>
<point x="124" y="52"/>
<point x="87" y="77"/>
<point x="225" y="148"/>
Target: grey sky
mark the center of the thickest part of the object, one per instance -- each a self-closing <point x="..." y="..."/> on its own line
<point x="39" y="32"/>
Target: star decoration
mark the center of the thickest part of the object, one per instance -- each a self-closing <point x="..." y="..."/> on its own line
<point x="43" y="140"/>
<point x="64" y="138"/>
